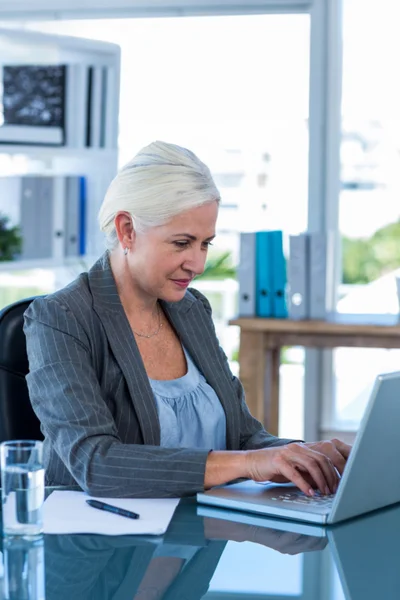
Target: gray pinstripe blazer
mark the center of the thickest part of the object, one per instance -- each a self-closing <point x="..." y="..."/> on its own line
<point x="89" y="388"/>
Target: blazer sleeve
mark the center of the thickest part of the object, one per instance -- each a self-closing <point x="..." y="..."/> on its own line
<point x="67" y="398"/>
<point x="253" y="436"/>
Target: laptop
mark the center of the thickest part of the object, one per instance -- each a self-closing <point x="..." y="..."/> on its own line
<point x="370" y="479"/>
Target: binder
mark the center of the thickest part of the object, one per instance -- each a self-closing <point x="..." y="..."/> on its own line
<point x="278" y="263"/>
<point x="263" y="274"/>
<point x="37" y="217"/>
<point x="73" y="100"/>
<point x="110" y="82"/>
<point x="247" y="275"/>
<point x="103" y="107"/>
<point x="50" y="213"/>
<point x="75" y="216"/>
<point x="298" y="279"/>
<point x="88" y="133"/>
<point x="320" y="269"/>
<point x="82" y="215"/>
<point x="10" y="198"/>
<point x="71" y="216"/>
<point x="58" y="200"/>
<point x="77" y="102"/>
<point x="95" y="107"/>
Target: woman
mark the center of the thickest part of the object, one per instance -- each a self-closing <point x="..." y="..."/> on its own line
<point x="126" y="374"/>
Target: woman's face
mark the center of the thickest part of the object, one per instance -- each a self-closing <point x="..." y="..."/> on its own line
<point x="164" y="260"/>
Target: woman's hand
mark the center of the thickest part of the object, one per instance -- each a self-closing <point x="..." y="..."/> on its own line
<point x="313" y="465"/>
<point x="337" y="451"/>
<point x="304" y="466"/>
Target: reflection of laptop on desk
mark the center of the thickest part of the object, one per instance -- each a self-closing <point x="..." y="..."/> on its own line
<point x="316" y="530"/>
<point x="370" y="479"/>
<point x="364" y="550"/>
<point x="366" y="555"/>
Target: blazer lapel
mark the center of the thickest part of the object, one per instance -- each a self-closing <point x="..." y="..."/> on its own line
<point x="196" y="331"/>
<point x="109" y="309"/>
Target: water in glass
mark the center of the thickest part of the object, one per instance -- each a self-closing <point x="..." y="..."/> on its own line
<point x="23" y="497"/>
<point x="22" y="479"/>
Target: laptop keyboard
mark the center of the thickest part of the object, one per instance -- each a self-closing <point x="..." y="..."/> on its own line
<point x="300" y="498"/>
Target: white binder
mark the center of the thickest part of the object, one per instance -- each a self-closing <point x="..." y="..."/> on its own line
<point x="247" y="275"/>
<point x="37" y="217"/>
<point x="71" y="216"/>
<point x="321" y="270"/>
<point x="298" y="277"/>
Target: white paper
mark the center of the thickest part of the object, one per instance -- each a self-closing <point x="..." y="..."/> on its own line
<point x="68" y="512"/>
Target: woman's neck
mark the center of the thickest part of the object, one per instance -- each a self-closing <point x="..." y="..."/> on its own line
<point x="134" y="301"/>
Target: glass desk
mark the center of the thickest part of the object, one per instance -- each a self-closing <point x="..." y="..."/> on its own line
<point x="217" y="559"/>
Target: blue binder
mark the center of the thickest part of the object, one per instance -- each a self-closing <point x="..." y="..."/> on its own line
<point x="75" y="216"/>
<point x="278" y="298"/>
<point x="263" y="274"/>
<point x="82" y="215"/>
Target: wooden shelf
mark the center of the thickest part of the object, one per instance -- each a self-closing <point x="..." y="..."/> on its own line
<point x="261" y="341"/>
<point x="340" y="324"/>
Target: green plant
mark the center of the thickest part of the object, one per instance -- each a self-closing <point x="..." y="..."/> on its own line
<point x="366" y="259"/>
<point x="10" y="239"/>
<point x="219" y="266"/>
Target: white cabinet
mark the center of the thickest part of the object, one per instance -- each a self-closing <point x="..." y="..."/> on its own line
<point x="84" y="140"/>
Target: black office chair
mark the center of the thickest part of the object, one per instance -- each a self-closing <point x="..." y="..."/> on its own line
<point x="17" y="419"/>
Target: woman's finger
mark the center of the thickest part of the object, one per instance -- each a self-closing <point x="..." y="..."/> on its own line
<point x="343" y="448"/>
<point x="319" y="467"/>
<point x="293" y="475"/>
<point x="338" y="461"/>
<point x="329" y="471"/>
<point x="330" y="450"/>
<point x="313" y="467"/>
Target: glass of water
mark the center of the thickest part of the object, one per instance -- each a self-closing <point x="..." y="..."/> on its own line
<point x="22" y="487"/>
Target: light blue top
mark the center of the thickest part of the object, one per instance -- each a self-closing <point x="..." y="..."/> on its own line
<point x="190" y="412"/>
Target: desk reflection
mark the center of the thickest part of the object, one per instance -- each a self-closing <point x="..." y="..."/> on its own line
<point x="23" y="569"/>
<point x="179" y="565"/>
<point x="365" y="553"/>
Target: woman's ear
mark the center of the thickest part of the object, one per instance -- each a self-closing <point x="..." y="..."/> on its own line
<point x="124" y="228"/>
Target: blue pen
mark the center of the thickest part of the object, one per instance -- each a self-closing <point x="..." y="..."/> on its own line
<point x="113" y="509"/>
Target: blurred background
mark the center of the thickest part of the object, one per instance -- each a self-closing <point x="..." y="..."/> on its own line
<point x="295" y="108"/>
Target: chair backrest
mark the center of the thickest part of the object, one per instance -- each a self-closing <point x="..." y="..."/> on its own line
<point x="17" y="419"/>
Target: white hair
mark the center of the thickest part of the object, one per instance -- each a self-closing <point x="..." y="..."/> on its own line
<point x="160" y="182"/>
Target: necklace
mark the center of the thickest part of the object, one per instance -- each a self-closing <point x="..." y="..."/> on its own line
<point x="156" y="332"/>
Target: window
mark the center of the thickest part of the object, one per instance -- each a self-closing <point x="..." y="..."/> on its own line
<point x="190" y="81"/>
<point x="369" y="206"/>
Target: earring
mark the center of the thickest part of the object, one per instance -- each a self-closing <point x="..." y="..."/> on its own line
<point x="125" y="251"/>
